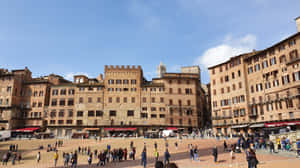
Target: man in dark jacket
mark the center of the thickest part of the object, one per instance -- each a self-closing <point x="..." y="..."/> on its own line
<point x="215" y="153"/>
<point x="167" y="157"/>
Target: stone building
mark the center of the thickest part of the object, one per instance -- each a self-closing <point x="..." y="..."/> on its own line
<point x="258" y="91"/>
<point x="121" y="101"/>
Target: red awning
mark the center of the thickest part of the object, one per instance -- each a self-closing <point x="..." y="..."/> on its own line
<point x="119" y="129"/>
<point x="27" y="129"/>
<point x="172" y="128"/>
<point x="280" y="124"/>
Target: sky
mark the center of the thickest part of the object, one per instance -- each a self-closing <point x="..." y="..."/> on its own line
<point x="69" y="37"/>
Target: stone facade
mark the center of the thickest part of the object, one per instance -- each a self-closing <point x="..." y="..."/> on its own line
<point x="123" y="99"/>
<point x="257" y="88"/>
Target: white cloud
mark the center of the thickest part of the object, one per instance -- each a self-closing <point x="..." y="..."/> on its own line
<point x="228" y="48"/>
<point x="69" y="76"/>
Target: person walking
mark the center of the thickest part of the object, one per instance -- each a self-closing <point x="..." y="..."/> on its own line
<point x="176" y="145"/>
<point x="19" y="157"/>
<point x="38" y="157"/>
<point x="271" y="146"/>
<point x="55" y="158"/>
<point x="167" y="157"/>
<point x="90" y="159"/>
<point x="5" y="159"/>
<point x="156" y="154"/>
<point x="144" y="158"/>
<point x="215" y="153"/>
<point x="191" y="153"/>
<point x="225" y="146"/>
<point x="298" y="148"/>
<point x="196" y="156"/>
<point x="278" y="144"/>
<point x="252" y="159"/>
<point x="66" y="159"/>
<point x="74" y="160"/>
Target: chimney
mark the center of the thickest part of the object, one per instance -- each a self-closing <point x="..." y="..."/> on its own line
<point x="298" y="23"/>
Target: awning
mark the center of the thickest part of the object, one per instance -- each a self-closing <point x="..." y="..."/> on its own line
<point x="240" y="126"/>
<point x="119" y="129"/>
<point x="257" y="125"/>
<point x="172" y="128"/>
<point x="91" y="129"/>
<point x="27" y="129"/>
<point x="280" y="124"/>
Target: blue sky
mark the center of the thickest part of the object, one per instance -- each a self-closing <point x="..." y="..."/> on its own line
<point x="68" y="37"/>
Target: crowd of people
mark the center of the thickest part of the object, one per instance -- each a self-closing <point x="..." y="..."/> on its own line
<point x="13" y="154"/>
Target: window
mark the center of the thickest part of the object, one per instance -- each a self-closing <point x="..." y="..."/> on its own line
<point x="153" y="108"/>
<point x="239" y="73"/>
<point x="81" y="89"/>
<point x="242" y="112"/>
<point x="188" y="91"/>
<point x="233" y="86"/>
<point x="293" y="54"/>
<point x="179" y="102"/>
<point x="110" y="81"/>
<point x="188" y="102"/>
<point x="40" y="104"/>
<point x="250" y="70"/>
<point x="34" y="104"/>
<point x="232" y="75"/>
<point x="144" y="108"/>
<point x="52" y="121"/>
<point x="69" y="121"/>
<point x="179" y="90"/>
<point x="170" y="90"/>
<point x="98" y="100"/>
<point x="91" y="113"/>
<point x="153" y="99"/>
<point x="112" y="113"/>
<point x="99" y="113"/>
<point x="222" y="90"/>
<point x="285" y="79"/>
<point x="71" y="92"/>
<point x="133" y="89"/>
<point x="214" y="92"/>
<point x="90" y="100"/>
<point x="187" y="82"/>
<point x="292" y="42"/>
<point x="228" y="89"/>
<point x="214" y="81"/>
<point x="296" y="76"/>
<point x="221" y="79"/>
<point x="118" y="81"/>
<point x="276" y="83"/>
<point x="53" y="113"/>
<point x="257" y="67"/>
<point x="118" y="89"/>
<point x="54" y="92"/>
<point x="133" y="100"/>
<point x="162" y="116"/>
<point x="130" y="113"/>
<point x="170" y="102"/>
<point x="63" y="92"/>
<point x="125" y="89"/>
<point x="226" y="78"/>
<point x="144" y="99"/>
<point x="125" y="81"/>
<point x="161" y="109"/>
<point x="79" y="113"/>
<point x="53" y="102"/>
<point x="273" y="61"/>
<point x="242" y="98"/>
<point x="221" y="69"/>
<point x="133" y="81"/>
<point x="144" y="115"/>
<point x="153" y="115"/>
<point x="282" y="47"/>
<point x="62" y="102"/>
<point x="161" y="99"/>
<point x="282" y="59"/>
<point x="41" y="93"/>
<point x="171" y="121"/>
<point x="259" y="87"/>
<point x="35" y="93"/>
<point x="70" y="102"/>
<point x="70" y="113"/>
<point x="80" y="100"/>
<point x="240" y="85"/>
<point x="79" y="122"/>
<point x="265" y="64"/>
<point x="110" y="89"/>
<point x="125" y="100"/>
<point x="180" y="121"/>
<point x="61" y="113"/>
<point x="268" y="85"/>
<point x="213" y="71"/>
<point x="118" y="99"/>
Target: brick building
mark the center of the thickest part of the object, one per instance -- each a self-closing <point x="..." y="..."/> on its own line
<point x="258" y="91"/>
<point x="122" y="101"/>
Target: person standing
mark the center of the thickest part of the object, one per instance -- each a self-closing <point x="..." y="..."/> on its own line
<point x="272" y="147"/>
<point x="176" y="145"/>
<point x="298" y="147"/>
<point x="252" y="158"/>
<point x="74" y="160"/>
<point x="66" y="159"/>
<point x="19" y="157"/>
<point x="167" y="157"/>
<point x="144" y="158"/>
<point x="278" y="144"/>
<point x="55" y="158"/>
<point x="196" y="156"/>
<point x="38" y="157"/>
<point x="191" y="152"/>
<point x="215" y="153"/>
